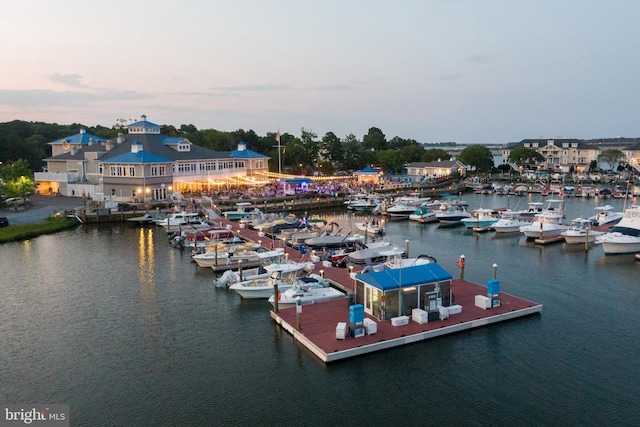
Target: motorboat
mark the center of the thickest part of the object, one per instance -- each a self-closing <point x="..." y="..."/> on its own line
<point x="453" y="213"/>
<point x="580" y="231"/>
<point x="482" y="218"/>
<point x="175" y="221"/>
<point x="276" y="226"/>
<point x="143" y="220"/>
<point x="373" y="228"/>
<point x="243" y="211"/>
<point x="509" y="223"/>
<point x="372" y="254"/>
<point x="624" y="237"/>
<point x="405" y="206"/>
<point x="199" y="239"/>
<point x="400" y="210"/>
<point x="395" y="258"/>
<point x="307" y="290"/>
<point x="424" y="214"/>
<point x="227" y="254"/>
<point x="264" y="287"/>
<point x="606" y="216"/>
<point x="548" y="222"/>
<point x="334" y="241"/>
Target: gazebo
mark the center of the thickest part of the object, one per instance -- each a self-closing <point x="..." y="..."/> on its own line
<point x="367" y="175"/>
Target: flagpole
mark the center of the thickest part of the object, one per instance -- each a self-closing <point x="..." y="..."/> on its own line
<point x="279" y="155"/>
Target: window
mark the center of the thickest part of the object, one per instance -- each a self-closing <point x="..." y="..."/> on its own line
<point x="132" y="171"/>
<point x="157" y="170"/>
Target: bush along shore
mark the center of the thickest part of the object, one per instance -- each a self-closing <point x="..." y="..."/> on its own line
<point x="15" y="233"/>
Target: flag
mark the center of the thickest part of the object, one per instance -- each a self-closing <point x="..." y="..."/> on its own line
<point x="278" y="137"/>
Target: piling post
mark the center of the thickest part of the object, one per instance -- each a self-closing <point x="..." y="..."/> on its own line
<point x="406" y="248"/>
<point x="495" y="270"/>
<point x="460" y="265"/>
<point x="586" y="240"/>
<point x="298" y="314"/>
<point x="276" y="297"/>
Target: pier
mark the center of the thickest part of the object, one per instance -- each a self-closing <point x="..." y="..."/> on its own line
<point x="318" y="321"/>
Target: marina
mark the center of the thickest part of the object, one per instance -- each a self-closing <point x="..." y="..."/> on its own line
<point x="157" y="330"/>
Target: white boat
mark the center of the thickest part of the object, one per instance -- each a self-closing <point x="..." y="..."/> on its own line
<point x="264" y="287"/>
<point x="548" y="222"/>
<point x="243" y="211"/>
<point x="606" y="216"/>
<point x="311" y="290"/>
<point x="174" y="221"/>
<point x="143" y="220"/>
<point x="580" y="232"/>
<point x="624" y="237"/>
<point x="373" y="228"/>
<point x="395" y="259"/>
<point x="373" y="254"/>
<point x="453" y="213"/>
<point x="334" y="241"/>
<point x="227" y="254"/>
<point x="482" y="218"/>
<point x="400" y="210"/>
<point x="424" y="214"/>
<point x="509" y="223"/>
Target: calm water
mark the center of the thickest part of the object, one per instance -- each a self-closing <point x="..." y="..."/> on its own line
<point x="126" y="330"/>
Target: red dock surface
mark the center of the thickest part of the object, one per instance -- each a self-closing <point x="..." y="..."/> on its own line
<point x="319" y="321"/>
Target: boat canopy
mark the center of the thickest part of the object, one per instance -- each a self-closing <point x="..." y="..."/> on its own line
<point x="405" y="277"/>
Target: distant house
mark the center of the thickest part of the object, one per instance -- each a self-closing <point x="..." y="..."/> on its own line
<point x="142" y="165"/>
<point x="422" y="171"/>
<point x="560" y="155"/>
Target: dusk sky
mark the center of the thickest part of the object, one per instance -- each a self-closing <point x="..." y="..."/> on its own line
<point x="470" y="71"/>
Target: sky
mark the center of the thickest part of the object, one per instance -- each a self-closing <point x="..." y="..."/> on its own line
<point x="467" y="71"/>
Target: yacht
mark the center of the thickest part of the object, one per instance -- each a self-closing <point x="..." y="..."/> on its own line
<point x="606" y="216"/>
<point x="307" y="290"/>
<point x="548" y="222"/>
<point x="243" y="211"/>
<point x="482" y="218"/>
<point x="580" y="231"/>
<point x="453" y="213"/>
<point x="624" y="237"/>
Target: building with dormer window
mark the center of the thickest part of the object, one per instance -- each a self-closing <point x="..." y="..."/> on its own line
<point x="141" y="166"/>
<point x="560" y="155"/>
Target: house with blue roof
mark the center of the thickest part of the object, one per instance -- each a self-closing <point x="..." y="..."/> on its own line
<point x="397" y="291"/>
<point x="142" y="165"/>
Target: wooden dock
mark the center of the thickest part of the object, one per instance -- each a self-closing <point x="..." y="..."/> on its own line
<point x="319" y="321"/>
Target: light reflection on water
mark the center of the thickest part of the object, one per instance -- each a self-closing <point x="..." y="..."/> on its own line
<point x="118" y="324"/>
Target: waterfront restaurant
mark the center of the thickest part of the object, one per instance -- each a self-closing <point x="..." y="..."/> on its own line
<point x="397" y="291"/>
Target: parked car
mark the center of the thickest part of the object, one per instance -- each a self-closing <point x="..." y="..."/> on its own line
<point x="16" y="201"/>
<point x="4" y="222"/>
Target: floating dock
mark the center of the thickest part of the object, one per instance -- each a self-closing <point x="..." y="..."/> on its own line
<point x="319" y="321"/>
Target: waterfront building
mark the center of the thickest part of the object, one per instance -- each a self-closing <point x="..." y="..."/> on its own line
<point x="143" y="166"/>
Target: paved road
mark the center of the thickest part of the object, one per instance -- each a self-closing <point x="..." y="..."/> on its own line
<point x="41" y="207"/>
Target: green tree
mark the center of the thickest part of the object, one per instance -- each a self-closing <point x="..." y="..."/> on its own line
<point x="331" y="148"/>
<point x="389" y="159"/>
<point x="611" y="157"/>
<point x="375" y="140"/>
<point x="478" y="156"/>
<point x="353" y="153"/>
<point x="434" y="154"/>
<point x="525" y="156"/>
<point x="411" y="153"/>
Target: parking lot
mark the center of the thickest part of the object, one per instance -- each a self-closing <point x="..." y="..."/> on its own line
<point x="41" y="207"/>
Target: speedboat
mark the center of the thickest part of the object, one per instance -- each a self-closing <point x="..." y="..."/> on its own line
<point x="548" y="222"/>
<point x="400" y="210"/>
<point x="481" y="218"/>
<point x="373" y="228"/>
<point x="371" y="255"/>
<point x="307" y="290"/>
<point x="247" y="252"/>
<point x="264" y="287"/>
<point x="174" y="221"/>
<point x="423" y="214"/>
<point x="580" y="231"/>
<point x="624" y="237"/>
<point x="242" y="211"/>
<point x="334" y="241"/>
<point x="453" y="213"/>
<point x="606" y="216"/>
<point x="509" y="223"/>
<point x="143" y="220"/>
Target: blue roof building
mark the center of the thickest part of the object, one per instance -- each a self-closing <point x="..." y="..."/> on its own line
<point x="397" y="291"/>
